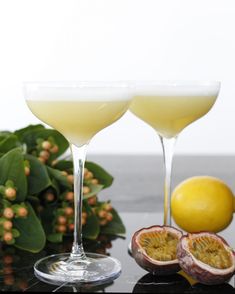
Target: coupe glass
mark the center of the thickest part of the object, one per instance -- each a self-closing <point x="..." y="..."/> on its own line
<point x="168" y="107"/>
<point x="78" y="110"/>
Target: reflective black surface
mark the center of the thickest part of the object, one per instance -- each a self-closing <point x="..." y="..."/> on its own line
<point x="17" y="274"/>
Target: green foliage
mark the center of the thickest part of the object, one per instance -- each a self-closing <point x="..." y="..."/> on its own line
<point x="36" y="202"/>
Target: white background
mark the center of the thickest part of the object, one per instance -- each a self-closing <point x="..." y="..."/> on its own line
<point x="122" y="39"/>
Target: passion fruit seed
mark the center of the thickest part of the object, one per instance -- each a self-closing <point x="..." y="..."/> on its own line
<point x="159" y="245"/>
<point x="210" y="251"/>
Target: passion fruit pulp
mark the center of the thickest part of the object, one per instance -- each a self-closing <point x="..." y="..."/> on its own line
<point x="154" y="249"/>
<point x="206" y="257"/>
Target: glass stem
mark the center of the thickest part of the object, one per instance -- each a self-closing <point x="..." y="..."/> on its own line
<point x="168" y="152"/>
<point x="79" y="156"/>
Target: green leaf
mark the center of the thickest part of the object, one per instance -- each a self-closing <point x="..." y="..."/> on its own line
<point x="31" y="135"/>
<point x="57" y="175"/>
<point x="38" y="179"/>
<point x="12" y="168"/>
<point x="91" y="229"/>
<point x="24" y="132"/>
<point x="95" y="189"/>
<point x="48" y="218"/>
<point x="9" y="142"/>
<point x="55" y="237"/>
<point x="32" y="237"/>
<point x="101" y="174"/>
<point x="115" y="227"/>
<point x="64" y="165"/>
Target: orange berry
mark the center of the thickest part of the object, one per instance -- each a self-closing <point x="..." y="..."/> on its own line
<point x="7" y="237"/>
<point x="83" y="221"/>
<point x="49" y="196"/>
<point x="41" y="159"/>
<point x="22" y="211"/>
<point x="108" y="245"/>
<point x="68" y="211"/>
<point x="54" y="149"/>
<point x="7" y="259"/>
<point x="8" y="212"/>
<point x="10" y="193"/>
<point x="109" y="217"/>
<point x="103" y="222"/>
<point x="64" y="173"/>
<point x="69" y="196"/>
<point x="102" y="214"/>
<point x="61" y="220"/>
<point x="54" y="162"/>
<point x="7" y="225"/>
<point x="7" y="270"/>
<point x="84" y="215"/>
<point x="94" y="182"/>
<point x="92" y="200"/>
<point x="44" y="154"/>
<point x="9" y="280"/>
<point x="86" y="190"/>
<point x="108" y="207"/>
<point x="61" y="229"/>
<point x="26" y="171"/>
<point x="71" y="227"/>
<point x="70" y="179"/>
<point x="88" y="175"/>
<point x="23" y="285"/>
<point x="46" y="145"/>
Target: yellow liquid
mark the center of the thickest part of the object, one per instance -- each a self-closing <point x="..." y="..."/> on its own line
<point x="79" y="120"/>
<point x="169" y="115"/>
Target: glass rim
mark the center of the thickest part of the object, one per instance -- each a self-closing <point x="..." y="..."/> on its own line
<point x="177" y="83"/>
<point x="79" y="84"/>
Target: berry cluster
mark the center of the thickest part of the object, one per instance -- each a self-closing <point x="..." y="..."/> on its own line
<point x="45" y="148"/>
<point x="7" y="214"/>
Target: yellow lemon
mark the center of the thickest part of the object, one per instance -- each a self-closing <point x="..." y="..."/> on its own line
<point x="202" y="203"/>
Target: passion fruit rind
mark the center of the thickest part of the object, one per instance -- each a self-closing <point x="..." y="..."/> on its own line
<point x="156" y="266"/>
<point x="200" y="271"/>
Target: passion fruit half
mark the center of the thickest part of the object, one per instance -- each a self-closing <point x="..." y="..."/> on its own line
<point x="206" y="257"/>
<point x="154" y="249"/>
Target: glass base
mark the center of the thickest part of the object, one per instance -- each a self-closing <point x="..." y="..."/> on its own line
<point x="63" y="269"/>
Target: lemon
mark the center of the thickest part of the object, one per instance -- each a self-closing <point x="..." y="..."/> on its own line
<point x="202" y="203"/>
